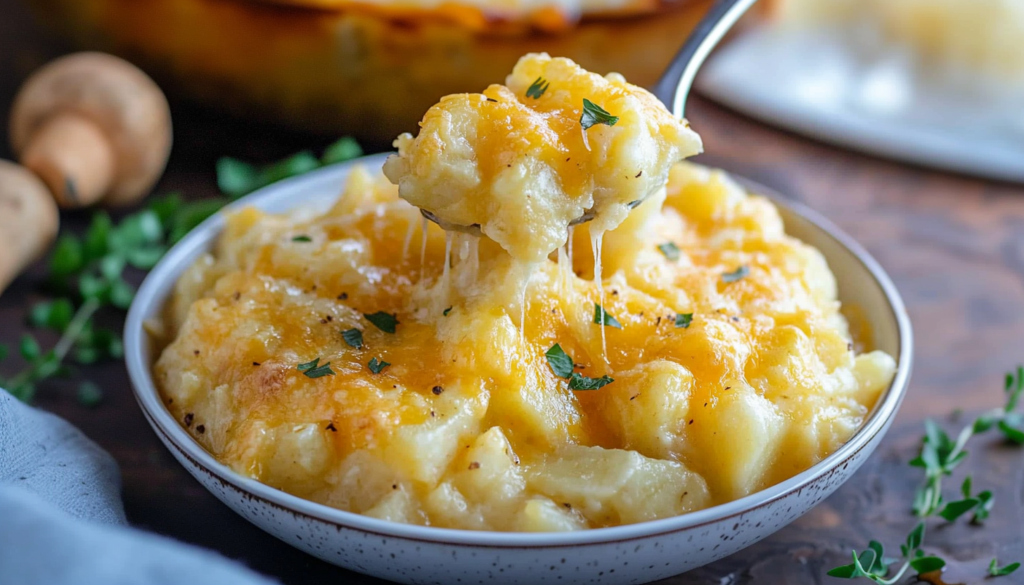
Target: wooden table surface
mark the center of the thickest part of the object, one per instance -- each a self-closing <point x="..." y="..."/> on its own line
<point x="953" y="245"/>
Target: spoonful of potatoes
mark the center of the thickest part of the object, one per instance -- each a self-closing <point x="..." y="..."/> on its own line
<point x="554" y="147"/>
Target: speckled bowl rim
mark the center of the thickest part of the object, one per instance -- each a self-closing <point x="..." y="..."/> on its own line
<point x="159" y="283"/>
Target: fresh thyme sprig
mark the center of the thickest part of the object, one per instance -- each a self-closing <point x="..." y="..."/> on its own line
<point x="236" y="178"/>
<point x="939" y="456"/>
<point x="874" y="565"/>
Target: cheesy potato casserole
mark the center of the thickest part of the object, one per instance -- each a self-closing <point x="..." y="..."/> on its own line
<point x="366" y="359"/>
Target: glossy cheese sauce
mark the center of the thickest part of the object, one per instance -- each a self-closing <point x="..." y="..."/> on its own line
<point x="469" y="426"/>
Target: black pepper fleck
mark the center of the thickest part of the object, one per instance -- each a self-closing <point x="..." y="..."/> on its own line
<point x="188" y="419"/>
<point x="437" y="390"/>
<point x="331" y="427"/>
<point x="200" y="429"/>
<point x="343" y="296"/>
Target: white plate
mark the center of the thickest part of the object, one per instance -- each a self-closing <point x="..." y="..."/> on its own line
<point x="883" y="104"/>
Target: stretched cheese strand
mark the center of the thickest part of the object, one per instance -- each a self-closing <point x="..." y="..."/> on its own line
<point x="469" y="260"/>
<point x="572" y="230"/>
<point x="446" y="271"/>
<point x="596" y="243"/>
<point x="423" y="247"/>
<point x="409" y="231"/>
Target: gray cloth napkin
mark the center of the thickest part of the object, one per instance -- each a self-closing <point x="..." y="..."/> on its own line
<point x="61" y="519"/>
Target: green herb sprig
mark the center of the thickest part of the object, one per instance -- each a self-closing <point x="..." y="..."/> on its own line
<point x="537" y="88"/>
<point x="562" y="365"/>
<point x="236" y="178"/>
<point x="602" y="317"/>
<point x="386" y="322"/>
<point x="377" y="365"/>
<point x="939" y="457"/>
<point x="994" y="570"/>
<point x="594" y="114"/>
<point x="315" y="369"/>
<point x="669" y="250"/>
<point x="736" y="275"/>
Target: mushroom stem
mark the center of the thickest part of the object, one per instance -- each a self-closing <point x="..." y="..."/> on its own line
<point x="73" y="157"/>
<point x="28" y="220"/>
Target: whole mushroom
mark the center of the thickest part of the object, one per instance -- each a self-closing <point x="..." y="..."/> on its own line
<point x="28" y="220"/>
<point x="94" y="128"/>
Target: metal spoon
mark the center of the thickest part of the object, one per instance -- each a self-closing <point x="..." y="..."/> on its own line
<point x="674" y="86"/>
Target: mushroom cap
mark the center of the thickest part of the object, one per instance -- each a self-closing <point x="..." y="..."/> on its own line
<point x="119" y="98"/>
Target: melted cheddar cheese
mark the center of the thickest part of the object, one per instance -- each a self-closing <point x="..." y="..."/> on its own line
<point x="469" y="427"/>
<point x="517" y="162"/>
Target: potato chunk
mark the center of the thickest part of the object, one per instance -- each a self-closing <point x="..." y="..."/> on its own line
<point x="645" y="409"/>
<point x="612" y="486"/>
<point x="519" y="163"/>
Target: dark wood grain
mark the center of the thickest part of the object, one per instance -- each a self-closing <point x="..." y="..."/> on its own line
<point x="954" y="245"/>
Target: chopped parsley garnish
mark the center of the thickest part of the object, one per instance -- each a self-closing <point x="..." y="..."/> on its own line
<point x="602" y="317"/>
<point x="683" y="320"/>
<point x="314" y="369"/>
<point x="562" y="365"/>
<point x="560" y="362"/>
<point x="384" y="321"/>
<point x="302" y="238"/>
<point x="377" y="365"/>
<point x="446" y="311"/>
<point x="738" y="274"/>
<point x="537" y="88"/>
<point x="594" y="114"/>
<point x="580" y="382"/>
<point x="670" y="250"/>
<point x="353" y="337"/>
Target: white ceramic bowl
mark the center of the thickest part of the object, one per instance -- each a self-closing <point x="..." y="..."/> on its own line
<point x="635" y="553"/>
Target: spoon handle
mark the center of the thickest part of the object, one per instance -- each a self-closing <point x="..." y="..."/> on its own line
<point x="674" y="86"/>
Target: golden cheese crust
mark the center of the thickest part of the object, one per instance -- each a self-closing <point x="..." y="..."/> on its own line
<point x="519" y="163"/>
<point x="469" y="427"/>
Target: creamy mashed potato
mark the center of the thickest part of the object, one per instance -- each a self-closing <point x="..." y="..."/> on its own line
<point x="732" y="368"/>
<point x="525" y="160"/>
